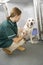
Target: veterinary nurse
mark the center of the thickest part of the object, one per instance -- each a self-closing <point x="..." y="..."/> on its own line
<point x="9" y="31"/>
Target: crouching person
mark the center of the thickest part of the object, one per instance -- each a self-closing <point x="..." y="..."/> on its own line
<point x="9" y="39"/>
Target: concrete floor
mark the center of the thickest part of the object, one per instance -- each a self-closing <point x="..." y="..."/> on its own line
<point x="33" y="55"/>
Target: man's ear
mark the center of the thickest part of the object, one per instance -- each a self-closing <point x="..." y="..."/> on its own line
<point x="15" y="16"/>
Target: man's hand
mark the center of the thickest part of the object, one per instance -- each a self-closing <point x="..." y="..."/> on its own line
<point x="24" y="34"/>
<point x="17" y="39"/>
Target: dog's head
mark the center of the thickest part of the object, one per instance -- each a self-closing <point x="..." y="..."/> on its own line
<point x="30" y="22"/>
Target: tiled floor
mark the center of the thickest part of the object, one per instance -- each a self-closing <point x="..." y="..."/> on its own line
<point x="33" y="55"/>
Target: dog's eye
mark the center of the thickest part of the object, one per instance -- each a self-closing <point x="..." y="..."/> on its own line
<point x="32" y="19"/>
<point x="29" y="20"/>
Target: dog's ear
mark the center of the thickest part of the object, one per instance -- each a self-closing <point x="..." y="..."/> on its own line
<point x="34" y="22"/>
<point x="26" y="22"/>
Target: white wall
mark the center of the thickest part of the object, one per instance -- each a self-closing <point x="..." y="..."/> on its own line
<point x="2" y="16"/>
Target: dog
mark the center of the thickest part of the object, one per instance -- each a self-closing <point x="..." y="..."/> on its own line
<point x="28" y="28"/>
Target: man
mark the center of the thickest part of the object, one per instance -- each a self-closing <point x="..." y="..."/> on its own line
<point x="9" y="38"/>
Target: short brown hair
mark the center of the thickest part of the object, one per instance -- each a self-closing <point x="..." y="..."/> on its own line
<point x="14" y="11"/>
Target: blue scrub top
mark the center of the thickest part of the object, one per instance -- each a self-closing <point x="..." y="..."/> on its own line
<point x="8" y="30"/>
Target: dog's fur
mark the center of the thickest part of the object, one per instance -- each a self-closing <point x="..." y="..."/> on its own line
<point x="28" y="28"/>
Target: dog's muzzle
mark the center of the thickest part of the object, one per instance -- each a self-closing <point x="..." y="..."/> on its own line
<point x="31" y="23"/>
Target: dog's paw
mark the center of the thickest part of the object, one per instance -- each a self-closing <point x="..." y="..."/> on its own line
<point x="32" y="42"/>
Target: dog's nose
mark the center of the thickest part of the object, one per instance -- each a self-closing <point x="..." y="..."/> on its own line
<point x="31" y="23"/>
